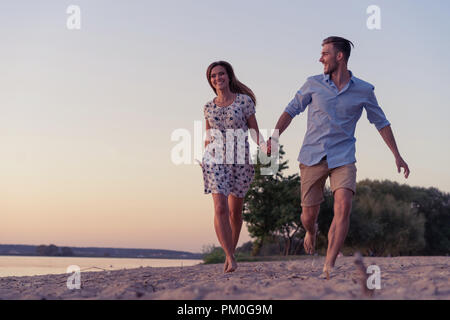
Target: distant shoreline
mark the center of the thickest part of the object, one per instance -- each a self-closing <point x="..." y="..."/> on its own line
<point x="36" y="256"/>
<point x="94" y="252"/>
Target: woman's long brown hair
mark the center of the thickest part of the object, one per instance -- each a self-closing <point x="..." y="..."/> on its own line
<point x="235" y="85"/>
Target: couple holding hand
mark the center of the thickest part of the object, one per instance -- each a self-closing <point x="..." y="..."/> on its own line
<point x="335" y="101"/>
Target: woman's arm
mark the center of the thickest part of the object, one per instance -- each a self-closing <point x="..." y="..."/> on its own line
<point x="254" y="130"/>
<point x="208" y="138"/>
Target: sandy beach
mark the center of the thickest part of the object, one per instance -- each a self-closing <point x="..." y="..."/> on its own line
<point x="401" y="278"/>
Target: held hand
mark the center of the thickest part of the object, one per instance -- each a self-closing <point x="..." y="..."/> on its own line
<point x="402" y="164"/>
<point x="268" y="147"/>
<point x="271" y="144"/>
<point x="263" y="147"/>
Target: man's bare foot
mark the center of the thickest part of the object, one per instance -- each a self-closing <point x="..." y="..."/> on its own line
<point x="232" y="265"/>
<point x="310" y="240"/>
<point x="327" y="270"/>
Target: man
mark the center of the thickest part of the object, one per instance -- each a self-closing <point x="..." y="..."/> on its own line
<point x="336" y="100"/>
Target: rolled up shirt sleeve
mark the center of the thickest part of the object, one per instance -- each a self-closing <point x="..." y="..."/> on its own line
<point x="301" y="100"/>
<point x="375" y="114"/>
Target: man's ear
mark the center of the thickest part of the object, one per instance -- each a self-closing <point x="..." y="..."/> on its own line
<point x="340" y="56"/>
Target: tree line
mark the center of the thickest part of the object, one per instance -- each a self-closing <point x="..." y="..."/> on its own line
<point x="53" y="251"/>
<point x="387" y="219"/>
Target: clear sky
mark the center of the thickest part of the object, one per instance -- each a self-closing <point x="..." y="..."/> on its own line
<point x="87" y="115"/>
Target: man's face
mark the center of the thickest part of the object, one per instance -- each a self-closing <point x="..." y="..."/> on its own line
<point x="329" y="59"/>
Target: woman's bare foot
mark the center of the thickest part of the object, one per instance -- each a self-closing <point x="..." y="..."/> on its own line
<point x="310" y="240"/>
<point x="225" y="266"/>
<point x="232" y="265"/>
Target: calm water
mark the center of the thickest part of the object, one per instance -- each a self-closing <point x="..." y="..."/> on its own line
<point x="32" y="266"/>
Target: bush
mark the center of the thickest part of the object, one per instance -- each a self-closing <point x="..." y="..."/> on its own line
<point x="246" y="248"/>
<point x="386" y="226"/>
<point x="422" y="228"/>
<point x="213" y="254"/>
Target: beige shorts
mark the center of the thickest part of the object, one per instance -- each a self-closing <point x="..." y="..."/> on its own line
<point x="313" y="181"/>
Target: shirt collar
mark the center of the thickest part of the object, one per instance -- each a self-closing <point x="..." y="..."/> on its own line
<point x="326" y="77"/>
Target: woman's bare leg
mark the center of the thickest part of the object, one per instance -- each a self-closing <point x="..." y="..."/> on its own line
<point x="223" y="228"/>
<point x="235" y="206"/>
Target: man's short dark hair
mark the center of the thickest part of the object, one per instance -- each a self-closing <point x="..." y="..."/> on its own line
<point x="341" y="45"/>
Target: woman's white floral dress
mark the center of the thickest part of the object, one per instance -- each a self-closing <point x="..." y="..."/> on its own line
<point x="228" y="170"/>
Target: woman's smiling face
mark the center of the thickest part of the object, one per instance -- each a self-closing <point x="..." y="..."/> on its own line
<point x="219" y="78"/>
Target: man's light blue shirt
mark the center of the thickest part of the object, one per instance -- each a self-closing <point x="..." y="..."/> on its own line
<point x="332" y="118"/>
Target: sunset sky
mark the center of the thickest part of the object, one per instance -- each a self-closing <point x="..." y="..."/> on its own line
<point x="87" y="115"/>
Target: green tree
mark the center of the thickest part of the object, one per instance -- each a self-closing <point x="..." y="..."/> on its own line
<point x="272" y="208"/>
<point x="429" y="204"/>
<point x="436" y="208"/>
<point x="387" y="219"/>
<point x="384" y="225"/>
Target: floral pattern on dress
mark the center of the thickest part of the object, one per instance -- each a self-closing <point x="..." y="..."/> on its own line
<point x="233" y="174"/>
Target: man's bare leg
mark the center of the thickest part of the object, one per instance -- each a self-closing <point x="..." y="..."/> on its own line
<point x="309" y="221"/>
<point x="339" y="227"/>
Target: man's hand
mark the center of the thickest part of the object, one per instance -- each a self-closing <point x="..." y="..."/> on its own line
<point x="272" y="143"/>
<point x="269" y="147"/>
<point x="402" y="164"/>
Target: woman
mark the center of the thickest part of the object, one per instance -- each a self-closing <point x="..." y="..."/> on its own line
<point x="230" y="114"/>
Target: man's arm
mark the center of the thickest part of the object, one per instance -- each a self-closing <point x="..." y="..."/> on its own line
<point x="301" y="100"/>
<point x="282" y="124"/>
<point x="388" y="137"/>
